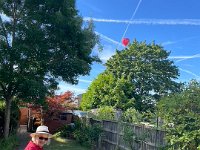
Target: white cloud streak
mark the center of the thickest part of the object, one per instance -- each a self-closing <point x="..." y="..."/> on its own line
<point x="108" y="39"/>
<point x="191" y="73"/>
<point x="182" y="58"/>
<point x="194" y="22"/>
<point x="168" y="43"/>
<point x="84" y="81"/>
<point x="135" y="11"/>
<point x="182" y="40"/>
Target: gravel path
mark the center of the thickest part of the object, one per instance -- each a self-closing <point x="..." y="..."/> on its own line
<point x="23" y="137"/>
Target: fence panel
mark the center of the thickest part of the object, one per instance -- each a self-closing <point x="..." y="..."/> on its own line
<point x="147" y="138"/>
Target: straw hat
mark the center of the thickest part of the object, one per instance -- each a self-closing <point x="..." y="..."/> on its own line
<point x="41" y="130"/>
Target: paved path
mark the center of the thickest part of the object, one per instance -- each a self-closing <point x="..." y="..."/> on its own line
<point x="23" y="137"/>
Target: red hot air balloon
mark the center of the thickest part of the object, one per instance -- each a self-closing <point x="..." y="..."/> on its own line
<point x="125" y="41"/>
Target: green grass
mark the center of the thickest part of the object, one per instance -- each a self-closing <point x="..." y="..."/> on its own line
<point x="9" y="143"/>
<point x="62" y="144"/>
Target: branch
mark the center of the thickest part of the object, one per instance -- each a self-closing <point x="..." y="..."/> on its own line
<point x="4" y="32"/>
<point x="14" y="19"/>
<point x="3" y="88"/>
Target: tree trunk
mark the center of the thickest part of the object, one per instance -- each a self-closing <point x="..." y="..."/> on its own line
<point x="7" y="117"/>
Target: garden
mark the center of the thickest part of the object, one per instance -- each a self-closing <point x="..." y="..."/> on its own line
<point x="137" y="100"/>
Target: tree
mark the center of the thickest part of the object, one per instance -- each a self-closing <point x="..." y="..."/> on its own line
<point x="148" y="68"/>
<point x="180" y="113"/>
<point x="107" y="91"/>
<point x="60" y="103"/>
<point x="41" y="42"/>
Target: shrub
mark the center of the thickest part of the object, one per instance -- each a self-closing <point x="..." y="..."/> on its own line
<point x="180" y="113"/>
<point x="87" y="134"/>
<point x="9" y="143"/>
<point x="14" y="120"/>
<point x="66" y="131"/>
<point x="106" y="113"/>
<point x="132" y="116"/>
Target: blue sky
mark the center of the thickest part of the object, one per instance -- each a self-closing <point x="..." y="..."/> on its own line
<point x="175" y="24"/>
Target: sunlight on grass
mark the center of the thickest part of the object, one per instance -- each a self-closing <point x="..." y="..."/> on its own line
<point x="61" y="140"/>
<point x="61" y="144"/>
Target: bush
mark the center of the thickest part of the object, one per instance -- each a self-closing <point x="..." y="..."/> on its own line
<point x="66" y="131"/>
<point x="84" y="134"/>
<point x="9" y="143"/>
<point x="14" y="117"/>
<point x="103" y="113"/>
<point x="87" y="134"/>
<point x="132" y="116"/>
<point x="180" y="113"/>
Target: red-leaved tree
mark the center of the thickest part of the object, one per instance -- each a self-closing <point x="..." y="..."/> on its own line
<point x="60" y="103"/>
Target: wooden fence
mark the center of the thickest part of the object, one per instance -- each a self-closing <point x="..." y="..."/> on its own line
<point x="144" y="138"/>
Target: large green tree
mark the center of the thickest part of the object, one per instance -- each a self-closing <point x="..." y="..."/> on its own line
<point x="105" y="90"/>
<point x="180" y="113"/>
<point x="148" y="68"/>
<point x="139" y="75"/>
<point x="41" y="41"/>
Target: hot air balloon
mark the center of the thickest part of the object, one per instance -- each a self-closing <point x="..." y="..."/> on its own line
<point x="125" y="41"/>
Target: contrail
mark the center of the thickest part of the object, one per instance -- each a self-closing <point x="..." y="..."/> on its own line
<point x="138" y="5"/>
<point x="189" y="72"/>
<point x="108" y="39"/>
<point x="185" y="57"/>
<point x="182" y="58"/>
<point x="174" y="42"/>
<point x="194" y="22"/>
<point x="85" y="81"/>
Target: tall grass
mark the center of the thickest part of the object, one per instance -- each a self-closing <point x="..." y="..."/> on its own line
<point x="9" y="143"/>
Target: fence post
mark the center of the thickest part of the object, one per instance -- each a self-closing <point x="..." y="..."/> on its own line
<point x="100" y="137"/>
<point x="117" y="143"/>
<point x="142" y="142"/>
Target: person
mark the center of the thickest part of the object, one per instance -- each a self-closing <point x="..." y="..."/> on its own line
<point x="39" y="138"/>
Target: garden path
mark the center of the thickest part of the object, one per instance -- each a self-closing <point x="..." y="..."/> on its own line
<point x="23" y="137"/>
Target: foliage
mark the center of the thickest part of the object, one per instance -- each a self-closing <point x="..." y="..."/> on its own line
<point x="60" y="103"/>
<point x="66" y="131"/>
<point x="108" y="91"/>
<point x="131" y="116"/>
<point x="9" y="143"/>
<point x="148" y="68"/>
<point x="181" y="117"/>
<point x="130" y="137"/>
<point x="106" y="113"/>
<point x="41" y="42"/>
<point x="136" y="76"/>
<point x="14" y="122"/>
<point x="83" y="133"/>
<point x="87" y="134"/>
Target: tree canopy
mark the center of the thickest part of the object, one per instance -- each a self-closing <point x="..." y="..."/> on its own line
<point x="180" y="113"/>
<point x="41" y="42"/>
<point x="139" y="75"/>
<point x="107" y="91"/>
<point x="60" y="103"/>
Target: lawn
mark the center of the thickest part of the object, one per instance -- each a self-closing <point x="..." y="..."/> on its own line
<point x="62" y="144"/>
